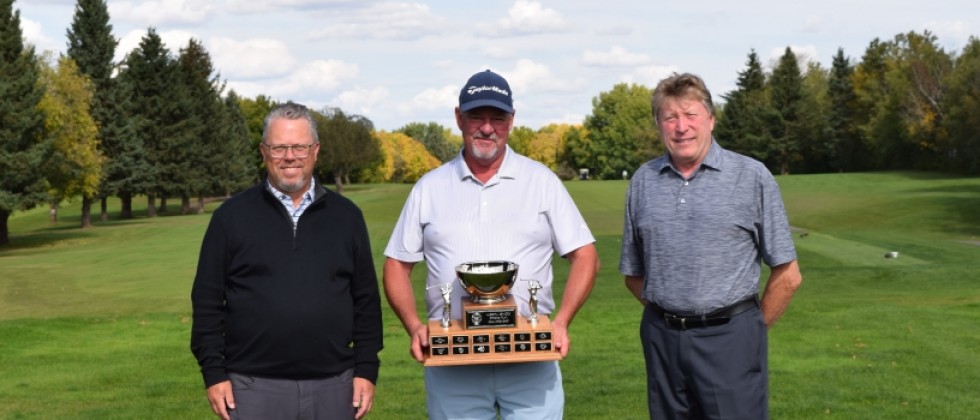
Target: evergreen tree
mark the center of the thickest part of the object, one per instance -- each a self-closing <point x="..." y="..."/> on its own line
<point x="151" y="75"/>
<point x="127" y="170"/>
<point x="786" y="93"/>
<point x="92" y="46"/>
<point x="746" y="120"/>
<point x="201" y="114"/>
<point x="23" y="144"/>
<point x="234" y="146"/>
<point x="848" y="152"/>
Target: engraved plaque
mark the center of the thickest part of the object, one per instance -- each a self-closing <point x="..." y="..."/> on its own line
<point x="440" y="351"/>
<point x="461" y="339"/>
<point x="481" y="338"/>
<point x="481" y="349"/>
<point x="461" y="350"/>
<point x="489" y="316"/>
<point x="437" y="340"/>
<point x="501" y="348"/>
<point x="522" y="337"/>
<point x="522" y="347"/>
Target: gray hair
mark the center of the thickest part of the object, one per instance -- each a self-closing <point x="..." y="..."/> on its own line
<point x="677" y="86"/>
<point x="290" y="111"/>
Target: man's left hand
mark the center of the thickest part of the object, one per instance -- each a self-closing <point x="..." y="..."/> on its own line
<point x="363" y="396"/>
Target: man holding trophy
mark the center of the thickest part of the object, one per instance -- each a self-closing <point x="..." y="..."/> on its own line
<point x="489" y="204"/>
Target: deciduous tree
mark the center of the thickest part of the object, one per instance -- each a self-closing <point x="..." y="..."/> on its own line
<point x="75" y="165"/>
<point x="621" y="131"/>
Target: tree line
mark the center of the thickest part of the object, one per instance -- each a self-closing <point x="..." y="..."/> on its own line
<point x="161" y="124"/>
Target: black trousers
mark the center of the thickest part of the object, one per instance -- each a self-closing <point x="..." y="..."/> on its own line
<point x="715" y="372"/>
<point x="311" y="399"/>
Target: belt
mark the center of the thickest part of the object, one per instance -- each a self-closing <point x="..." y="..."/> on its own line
<point x="719" y="317"/>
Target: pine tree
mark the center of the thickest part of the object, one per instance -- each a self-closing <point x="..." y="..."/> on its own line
<point x="200" y="113"/>
<point x="847" y="147"/>
<point x="747" y="118"/>
<point x="23" y="145"/>
<point x="151" y="77"/>
<point x="92" y="46"/>
<point x="786" y="93"/>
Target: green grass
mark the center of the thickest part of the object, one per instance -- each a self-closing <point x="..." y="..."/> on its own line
<point x="95" y="324"/>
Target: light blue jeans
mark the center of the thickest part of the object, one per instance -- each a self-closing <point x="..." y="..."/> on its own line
<point x="477" y="392"/>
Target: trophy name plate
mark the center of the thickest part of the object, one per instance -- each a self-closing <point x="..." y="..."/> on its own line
<point x="490" y="334"/>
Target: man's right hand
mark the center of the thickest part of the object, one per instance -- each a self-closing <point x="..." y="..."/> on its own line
<point x="221" y="399"/>
<point x="420" y="341"/>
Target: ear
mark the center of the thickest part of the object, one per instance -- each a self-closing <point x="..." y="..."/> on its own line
<point x="459" y="120"/>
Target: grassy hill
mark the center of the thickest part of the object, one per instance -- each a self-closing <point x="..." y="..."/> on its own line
<point x="95" y="323"/>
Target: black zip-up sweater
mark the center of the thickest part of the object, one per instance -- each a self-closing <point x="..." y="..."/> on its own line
<point x="273" y="302"/>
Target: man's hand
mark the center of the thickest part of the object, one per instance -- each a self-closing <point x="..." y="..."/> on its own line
<point x="221" y="399"/>
<point x="560" y="338"/>
<point x="420" y="341"/>
<point x="363" y="396"/>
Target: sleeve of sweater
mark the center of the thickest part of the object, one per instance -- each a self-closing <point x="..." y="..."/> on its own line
<point x="367" y="333"/>
<point x="207" y="301"/>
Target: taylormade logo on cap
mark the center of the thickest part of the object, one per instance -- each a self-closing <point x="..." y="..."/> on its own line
<point x="486" y="88"/>
<point x="474" y="90"/>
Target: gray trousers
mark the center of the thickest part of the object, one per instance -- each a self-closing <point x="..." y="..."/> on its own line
<point x="308" y="399"/>
<point x="715" y="372"/>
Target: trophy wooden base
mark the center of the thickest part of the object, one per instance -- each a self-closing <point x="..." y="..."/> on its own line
<point x="517" y="344"/>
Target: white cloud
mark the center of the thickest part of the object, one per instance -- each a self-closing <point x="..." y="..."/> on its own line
<point x="529" y="75"/>
<point x="162" y="12"/>
<point x="361" y="101"/>
<point x="265" y="6"/>
<point x="173" y="40"/>
<point x="251" y="58"/>
<point x="385" y="21"/>
<point x="956" y="30"/>
<point x="318" y="76"/>
<point x="433" y="99"/>
<point x="615" y="57"/>
<point x="648" y="76"/>
<point x="528" y="17"/>
<point x="34" y="35"/>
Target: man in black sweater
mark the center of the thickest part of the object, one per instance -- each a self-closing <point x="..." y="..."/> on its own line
<point x="287" y="315"/>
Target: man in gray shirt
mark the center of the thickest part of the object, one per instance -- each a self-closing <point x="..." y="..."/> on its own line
<point x="698" y="222"/>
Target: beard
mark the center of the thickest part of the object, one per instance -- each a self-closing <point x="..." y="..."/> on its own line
<point x="290" y="186"/>
<point x="485" y="154"/>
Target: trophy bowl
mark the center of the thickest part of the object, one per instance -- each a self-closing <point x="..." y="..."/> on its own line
<point x="487" y="281"/>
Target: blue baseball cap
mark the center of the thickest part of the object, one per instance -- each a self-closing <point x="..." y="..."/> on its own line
<point x="486" y="88"/>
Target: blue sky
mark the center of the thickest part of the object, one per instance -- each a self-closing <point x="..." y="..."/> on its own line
<point x="399" y="62"/>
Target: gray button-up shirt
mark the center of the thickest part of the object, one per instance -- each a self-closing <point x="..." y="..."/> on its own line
<point x="698" y="242"/>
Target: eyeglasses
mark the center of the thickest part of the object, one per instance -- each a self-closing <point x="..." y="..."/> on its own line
<point x="299" y="150"/>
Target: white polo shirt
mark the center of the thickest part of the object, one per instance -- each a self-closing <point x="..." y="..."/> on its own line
<point x="523" y="214"/>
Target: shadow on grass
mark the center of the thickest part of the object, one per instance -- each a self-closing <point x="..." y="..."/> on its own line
<point x="961" y="200"/>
